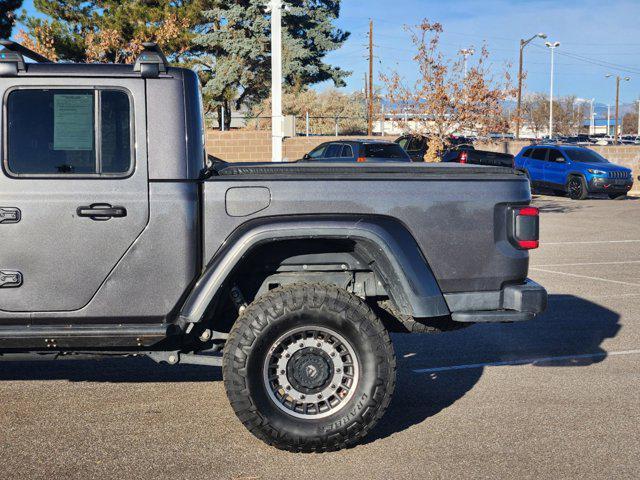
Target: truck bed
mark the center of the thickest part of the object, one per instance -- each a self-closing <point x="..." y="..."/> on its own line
<point x="462" y="238"/>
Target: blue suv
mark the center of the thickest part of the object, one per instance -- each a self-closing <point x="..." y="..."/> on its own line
<point x="574" y="170"/>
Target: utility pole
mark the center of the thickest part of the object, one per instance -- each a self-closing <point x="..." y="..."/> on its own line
<point x="608" y="120"/>
<point x="523" y="43"/>
<point x="552" y="47"/>
<point x="615" y="133"/>
<point x="638" y="118"/>
<point x="370" y="122"/>
<point x="618" y="78"/>
<point x="591" y="118"/>
<point x="276" y="80"/>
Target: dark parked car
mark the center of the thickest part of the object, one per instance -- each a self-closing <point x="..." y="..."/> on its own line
<point x="468" y="154"/>
<point x="360" y="151"/>
<point x="460" y="151"/>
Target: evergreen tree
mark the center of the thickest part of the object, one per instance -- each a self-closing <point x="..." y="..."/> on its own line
<point x="111" y="30"/>
<point x="235" y="42"/>
<point x="7" y="16"/>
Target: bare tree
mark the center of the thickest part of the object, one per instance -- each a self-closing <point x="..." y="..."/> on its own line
<point x="444" y="100"/>
<point x="569" y="114"/>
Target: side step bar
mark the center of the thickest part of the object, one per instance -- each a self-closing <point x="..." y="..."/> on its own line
<point x="85" y="336"/>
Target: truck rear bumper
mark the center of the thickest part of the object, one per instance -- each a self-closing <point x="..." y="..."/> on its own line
<point x="513" y="303"/>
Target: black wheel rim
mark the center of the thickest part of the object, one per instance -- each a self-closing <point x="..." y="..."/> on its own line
<point x="575" y="187"/>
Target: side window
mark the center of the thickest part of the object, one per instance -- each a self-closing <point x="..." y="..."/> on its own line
<point x="527" y="152"/>
<point x="539" y="153"/>
<point x="333" y="150"/>
<point x="68" y="132"/>
<point x="555" y="155"/>
<point x="347" y="151"/>
<point x="404" y="142"/>
<point x="318" y="152"/>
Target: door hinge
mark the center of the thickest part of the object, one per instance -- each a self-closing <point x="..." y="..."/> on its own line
<point x="10" y="279"/>
<point x="10" y="215"/>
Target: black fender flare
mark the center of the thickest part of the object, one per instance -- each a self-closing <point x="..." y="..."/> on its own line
<point x="392" y="251"/>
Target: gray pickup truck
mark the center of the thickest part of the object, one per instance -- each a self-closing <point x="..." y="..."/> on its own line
<point x="120" y="237"/>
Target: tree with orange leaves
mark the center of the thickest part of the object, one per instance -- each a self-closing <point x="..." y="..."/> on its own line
<point x="444" y="100"/>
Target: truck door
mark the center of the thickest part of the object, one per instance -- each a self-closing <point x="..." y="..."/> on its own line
<point x="555" y="170"/>
<point x="73" y="187"/>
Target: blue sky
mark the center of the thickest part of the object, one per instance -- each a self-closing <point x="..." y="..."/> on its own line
<point x="603" y="31"/>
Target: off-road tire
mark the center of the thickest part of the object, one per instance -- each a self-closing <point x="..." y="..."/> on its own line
<point x="287" y="308"/>
<point x="577" y="188"/>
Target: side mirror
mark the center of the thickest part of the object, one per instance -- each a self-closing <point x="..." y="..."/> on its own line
<point x="306" y="156"/>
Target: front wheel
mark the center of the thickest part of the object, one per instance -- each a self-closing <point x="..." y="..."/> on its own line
<point x="577" y="188"/>
<point x="309" y="368"/>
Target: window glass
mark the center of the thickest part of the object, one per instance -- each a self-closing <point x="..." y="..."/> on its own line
<point x="539" y="153"/>
<point x="56" y="132"/>
<point x="584" y="155"/>
<point x="417" y="143"/>
<point x="404" y="142"/>
<point x="318" y="152"/>
<point x="116" y="132"/>
<point x="555" y="155"/>
<point x="333" y="150"/>
<point x="347" y="151"/>
<point x="384" y="150"/>
<point x="527" y="152"/>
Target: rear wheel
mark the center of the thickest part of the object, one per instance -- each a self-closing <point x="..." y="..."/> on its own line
<point x="309" y="368"/>
<point x="577" y="188"/>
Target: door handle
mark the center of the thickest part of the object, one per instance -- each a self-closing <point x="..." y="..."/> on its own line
<point x="101" y="212"/>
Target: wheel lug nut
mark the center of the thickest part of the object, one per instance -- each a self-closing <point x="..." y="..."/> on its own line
<point x="302" y="345"/>
<point x="281" y="372"/>
<point x="319" y="344"/>
<point x="333" y="354"/>
<point x="287" y="356"/>
<point x="302" y="397"/>
<point x="319" y="395"/>
<point x="333" y="386"/>
<point x="338" y="370"/>
<point x="288" y="387"/>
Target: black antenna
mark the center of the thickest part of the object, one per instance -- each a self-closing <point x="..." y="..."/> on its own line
<point x="151" y="62"/>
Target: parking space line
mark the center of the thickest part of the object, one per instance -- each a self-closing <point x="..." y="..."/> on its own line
<point x="525" y="361"/>
<point x="618" y="282"/>
<point x="585" y="264"/>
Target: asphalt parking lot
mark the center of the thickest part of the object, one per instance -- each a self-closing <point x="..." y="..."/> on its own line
<point x="558" y="397"/>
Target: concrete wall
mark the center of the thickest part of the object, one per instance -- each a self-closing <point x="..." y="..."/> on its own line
<point x="255" y="146"/>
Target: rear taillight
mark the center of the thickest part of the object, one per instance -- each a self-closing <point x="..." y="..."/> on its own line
<point x="462" y="157"/>
<point x="362" y="159"/>
<point x="525" y="227"/>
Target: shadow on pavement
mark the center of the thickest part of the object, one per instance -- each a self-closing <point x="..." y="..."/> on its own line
<point x="572" y="326"/>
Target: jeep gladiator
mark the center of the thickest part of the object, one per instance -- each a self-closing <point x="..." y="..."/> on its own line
<point x="120" y="237"/>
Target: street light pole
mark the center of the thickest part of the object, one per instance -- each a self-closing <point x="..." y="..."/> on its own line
<point x="466" y="52"/>
<point x="276" y="80"/>
<point x="523" y="43"/>
<point x="592" y="119"/>
<point x="552" y="47"/>
<point x="618" y="78"/>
